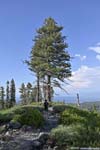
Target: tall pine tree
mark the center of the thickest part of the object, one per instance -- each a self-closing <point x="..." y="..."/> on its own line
<point x="2" y="95"/>
<point x="49" y="58"/>
<point x="12" y="93"/>
<point x="29" y="89"/>
<point x="7" y="94"/>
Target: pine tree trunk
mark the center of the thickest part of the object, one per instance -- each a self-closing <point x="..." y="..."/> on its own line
<point x="44" y="89"/>
<point x="49" y="88"/>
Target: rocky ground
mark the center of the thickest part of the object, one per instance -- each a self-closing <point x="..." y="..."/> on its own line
<point x="15" y="138"/>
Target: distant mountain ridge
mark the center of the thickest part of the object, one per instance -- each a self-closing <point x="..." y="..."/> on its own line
<point x="91" y="105"/>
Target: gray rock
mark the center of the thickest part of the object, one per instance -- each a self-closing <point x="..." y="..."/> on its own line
<point x="37" y="144"/>
<point x="27" y="128"/>
<point x="43" y="137"/>
<point x="7" y="133"/>
<point x="14" y="125"/>
<point x="55" y="148"/>
<point x="6" y="137"/>
<point x="3" y="129"/>
<point x="17" y="144"/>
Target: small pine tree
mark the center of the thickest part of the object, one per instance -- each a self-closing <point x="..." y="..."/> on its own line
<point x="7" y="95"/>
<point x="33" y="94"/>
<point x="2" y="94"/>
<point x="23" y="94"/>
<point x="29" y="90"/>
<point x="12" y="93"/>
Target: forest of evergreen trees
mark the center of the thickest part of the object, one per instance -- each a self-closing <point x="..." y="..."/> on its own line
<point x="8" y="95"/>
<point x="28" y="94"/>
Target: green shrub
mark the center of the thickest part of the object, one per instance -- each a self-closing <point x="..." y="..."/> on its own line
<point x="65" y="136"/>
<point x="75" y="135"/>
<point x="19" y="110"/>
<point x="59" y="108"/>
<point x="30" y="116"/>
<point x="67" y="118"/>
<point x="16" y="118"/>
<point x="33" y="107"/>
<point x="4" y="118"/>
<point x="80" y="128"/>
<point x="74" y="115"/>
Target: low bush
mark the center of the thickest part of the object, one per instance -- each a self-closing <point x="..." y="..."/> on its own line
<point x="63" y="136"/>
<point x="58" y="108"/>
<point x="67" y="118"/>
<point x="75" y="136"/>
<point x="21" y="109"/>
<point x="16" y="118"/>
<point x="79" y="128"/>
<point x="4" y="118"/>
<point x="29" y="116"/>
<point x="75" y="115"/>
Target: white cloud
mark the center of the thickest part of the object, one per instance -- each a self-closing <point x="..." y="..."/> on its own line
<point x="95" y="48"/>
<point x="98" y="57"/>
<point x="81" y="57"/>
<point x="85" y="78"/>
<point x="98" y="43"/>
<point x="79" y="78"/>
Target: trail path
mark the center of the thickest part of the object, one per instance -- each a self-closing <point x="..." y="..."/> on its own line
<point x="29" y="139"/>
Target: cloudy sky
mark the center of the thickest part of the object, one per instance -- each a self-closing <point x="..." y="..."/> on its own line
<point x="81" y="21"/>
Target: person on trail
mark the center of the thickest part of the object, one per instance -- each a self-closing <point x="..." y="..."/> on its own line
<point x="46" y="105"/>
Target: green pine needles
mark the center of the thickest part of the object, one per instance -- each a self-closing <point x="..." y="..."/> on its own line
<point x="49" y="59"/>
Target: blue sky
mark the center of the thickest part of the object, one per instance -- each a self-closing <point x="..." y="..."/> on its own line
<point x="81" y="21"/>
